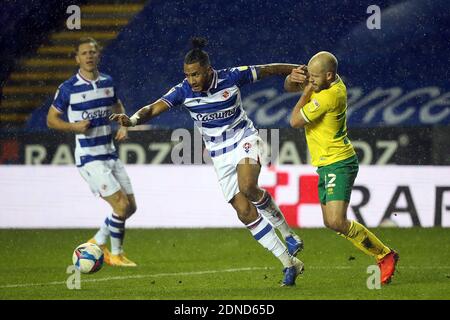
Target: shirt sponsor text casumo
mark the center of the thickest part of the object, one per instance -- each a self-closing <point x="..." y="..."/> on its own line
<point x="216" y="115"/>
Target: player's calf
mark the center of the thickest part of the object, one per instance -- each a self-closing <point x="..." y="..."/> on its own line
<point x="245" y="210"/>
<point x="131" y="209"/>
<point x="123" y="208"/>
<point x="337" y="225"/>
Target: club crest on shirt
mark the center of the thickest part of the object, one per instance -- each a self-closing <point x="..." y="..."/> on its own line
<point x="107" y="92"/>
<point x="314" y="105"/>
<point x="226" y="94"/>
<point x="247" y="146"/>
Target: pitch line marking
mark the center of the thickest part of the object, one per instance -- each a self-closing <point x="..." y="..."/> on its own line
<point x="200" y="273"/>
<point x="135" y="277"/>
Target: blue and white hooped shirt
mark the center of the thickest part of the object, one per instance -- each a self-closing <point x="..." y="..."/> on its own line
<point x="217" y="112"/>
<point x="83" y="99"/>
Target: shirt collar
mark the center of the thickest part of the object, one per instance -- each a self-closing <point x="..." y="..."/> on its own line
<point x="80" y="77"/>
<point x="214" y="81"/>
<point x="336" y="80"/>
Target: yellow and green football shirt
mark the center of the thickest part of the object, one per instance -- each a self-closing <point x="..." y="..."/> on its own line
<point x="326" y="129"/>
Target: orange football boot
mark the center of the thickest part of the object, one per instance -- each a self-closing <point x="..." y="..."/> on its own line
<point x="106" y="252"/>
<point x="387" y="266"/>
<point x="120" y="261"/>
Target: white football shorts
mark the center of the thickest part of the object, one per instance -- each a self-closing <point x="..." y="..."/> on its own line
<point x="106" y="177"/>
<point x="225" y="165"/>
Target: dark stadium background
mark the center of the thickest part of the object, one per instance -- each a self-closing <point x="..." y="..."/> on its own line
<point x="393" y="74"/>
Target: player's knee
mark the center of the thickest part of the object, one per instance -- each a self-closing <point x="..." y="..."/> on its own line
<point x="250" y="189"/>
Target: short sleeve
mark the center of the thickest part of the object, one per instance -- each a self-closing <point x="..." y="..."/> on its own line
<point x="243" y="75"/>
<point x="175" y="96"/>
<point x="62" y="99"/>
<point x="315" y="108"/>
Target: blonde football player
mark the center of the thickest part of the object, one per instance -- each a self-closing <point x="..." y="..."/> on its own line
<point x="88" y="98"/>
<point x="321" y="110"/>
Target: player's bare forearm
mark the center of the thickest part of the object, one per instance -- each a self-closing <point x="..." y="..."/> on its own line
<point x="143" y="115"/>
<point x="122" y="132"/>
<point x="291" y="86"/>
<point x="297" y="120"/>
<point x="148" y="112"/>
<point x="275" y="69"/>
<point x="55" y="122"/>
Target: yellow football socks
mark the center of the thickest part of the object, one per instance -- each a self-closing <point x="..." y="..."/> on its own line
<point x="366" y="241"/>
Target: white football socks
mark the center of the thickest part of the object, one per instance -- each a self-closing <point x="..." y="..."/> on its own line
<point x="117" y="233"/>
<point x="101" y="237"/>
<point x="267" y="207"/>
<point x="264" y="233"/>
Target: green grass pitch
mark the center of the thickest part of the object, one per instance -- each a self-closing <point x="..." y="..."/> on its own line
<point x="208" y="264"/>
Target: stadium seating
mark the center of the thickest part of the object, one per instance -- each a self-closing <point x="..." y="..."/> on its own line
<point x="382" y="68"/>
<point x="37" y="75"/>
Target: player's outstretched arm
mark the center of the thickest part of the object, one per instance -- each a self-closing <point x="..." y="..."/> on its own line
<point x="142" y="115"/>
<point x="274" y="69"/>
